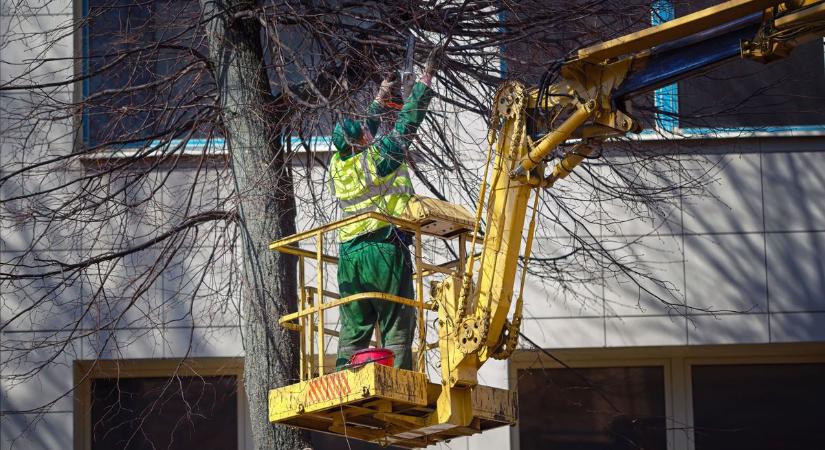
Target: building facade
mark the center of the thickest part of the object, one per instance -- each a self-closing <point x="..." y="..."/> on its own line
<point x="733" y="358"/>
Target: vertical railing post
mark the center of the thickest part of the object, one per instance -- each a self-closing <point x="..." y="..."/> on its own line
<point x="311" y="324"/>
<point x="462" y="252"/>
<point x="319" y="254"/>
<point x="302" y="323"/>
<point x="419" y="294"/>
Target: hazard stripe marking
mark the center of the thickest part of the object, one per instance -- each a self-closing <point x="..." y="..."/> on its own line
<point x="326" y="388"/>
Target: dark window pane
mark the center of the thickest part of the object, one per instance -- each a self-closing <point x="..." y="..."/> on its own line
<point x="592" y="409"/>
<point x="556" y="30"/>
<point x="112" y="30"/>
<point x="162" y="413"/>
<point x="744" y="93"/>
<point x="325" y="441"/>
<point x="759" y="407"/>
<point x="749" y="94"/>
<point x="144" y="81"/>
<point x="550" y="31"/>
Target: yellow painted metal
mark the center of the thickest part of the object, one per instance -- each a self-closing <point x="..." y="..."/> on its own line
<point x="422" y="210"/>
<point x="457" y="265"/>
<point x="447" y="297"/>
<point x="439" y="218"/>
<point x="340" y="301"/>
<point x="332" y="226"/>
<point x="569" y="162"/>
<point x="791" y="25"/>
<point x="812" y="12"/>
<point x="556" y="137"/>
<point x="319" y="295"/>
<point x="419" y="289"/>
<point x="473" y="295"/>
<point x="471" y="330"/>
<point x="297" y="251"/>
<point x="507" y="209"/>
<point x="377" y="403"/>
<point x="346" y="386"/>
<point x="386" y="406"/>
<point x="381" y="407"/>
<point x="673" y="29"/>
<point x="303" y="332"/>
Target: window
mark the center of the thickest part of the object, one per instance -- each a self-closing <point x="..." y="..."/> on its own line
<point x="758" y="406"/>
<point x="324" y="441"/>
<point x="162" y="412"/>
<point x="592" y="408"/>
<point x="146" y="86"/>
<point x="742" y="97"/>
<point x="738" y="98"/>
<point x="557" y="29"/>
<point x="169" y="404"/>
<point x="755" y="396"/>
<point x="144" y="83"/>
<point x="139" y="404"/>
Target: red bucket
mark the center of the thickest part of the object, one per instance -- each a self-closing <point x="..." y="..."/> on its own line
<point x="383" y="356"/>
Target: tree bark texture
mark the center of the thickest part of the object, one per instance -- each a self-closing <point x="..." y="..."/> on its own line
<point x="266" y="212"/>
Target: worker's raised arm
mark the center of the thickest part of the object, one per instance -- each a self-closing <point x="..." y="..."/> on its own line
<point x="382" y="104"/>
<point x="393" y="146"/>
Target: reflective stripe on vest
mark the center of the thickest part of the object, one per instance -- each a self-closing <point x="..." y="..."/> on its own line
<point x="359" y="189"/>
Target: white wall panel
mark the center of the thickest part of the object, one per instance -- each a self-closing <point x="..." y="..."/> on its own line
<point x="50" y="431"/>
<point x="28" y="40"/>
<point x="35" y="7"/>
<point x="726" y="272"/>
<point x="38" y="379"/>
<point x="794" y="188"/>
<point x="645" y="331"/>
<point x="565" y="333"/>
<point x="796" y="271"/>
<point x="798" y="327"/>
<point x="732" y="197"/>
<point x="728" y="329"/>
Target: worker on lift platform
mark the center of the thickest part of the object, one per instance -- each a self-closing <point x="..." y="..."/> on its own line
<point x="370" y="175"/>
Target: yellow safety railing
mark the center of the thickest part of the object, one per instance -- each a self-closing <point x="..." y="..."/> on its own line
<point x="314" y="301"/>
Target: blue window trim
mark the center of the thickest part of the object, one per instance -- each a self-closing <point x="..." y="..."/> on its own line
<point x="316" y="143"/>
<point x="666" y="102"/>
<point x="665" y="99"/>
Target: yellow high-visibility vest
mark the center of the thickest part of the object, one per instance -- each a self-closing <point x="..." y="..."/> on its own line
<point x="359" y="189"/>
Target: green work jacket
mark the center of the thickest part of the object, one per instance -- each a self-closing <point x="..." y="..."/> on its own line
<point x="382" y="165"/>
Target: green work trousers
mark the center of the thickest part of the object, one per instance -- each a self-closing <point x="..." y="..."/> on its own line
<point x="376" y="267"/>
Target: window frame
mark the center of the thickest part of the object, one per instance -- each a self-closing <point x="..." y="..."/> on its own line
<point x="678" y="363"/>
<point x="590" y="359"/>
<point x="770" y="358"/>
<point x="666" y="100"/>
<point x="192" y="147"/>
<point x="86" y="371"/>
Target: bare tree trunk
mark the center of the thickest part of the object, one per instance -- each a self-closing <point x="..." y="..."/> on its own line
<point x="266" y="212"/>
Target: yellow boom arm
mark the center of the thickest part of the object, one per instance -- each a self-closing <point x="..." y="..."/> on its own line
<point x="475" y="324"/>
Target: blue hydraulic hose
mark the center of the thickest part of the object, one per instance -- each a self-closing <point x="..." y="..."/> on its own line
<point x="688" y="56"/>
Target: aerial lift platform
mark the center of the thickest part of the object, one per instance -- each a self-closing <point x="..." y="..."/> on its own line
<point x="375" y="402"/>
<point x="473" y="295"/>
